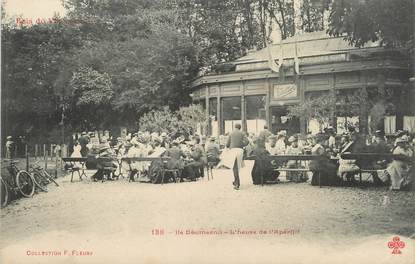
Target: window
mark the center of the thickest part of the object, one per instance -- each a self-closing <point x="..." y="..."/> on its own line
<point x="409" y="123"/>
<point x="255" y="113"/>
<point x="231" y="112"/>
<point x="213" y="114"/>
<point x="390" y="124"/>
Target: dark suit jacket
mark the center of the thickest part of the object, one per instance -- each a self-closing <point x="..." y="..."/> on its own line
<point x="237" y="139"/>
<point x="175" y="153"/>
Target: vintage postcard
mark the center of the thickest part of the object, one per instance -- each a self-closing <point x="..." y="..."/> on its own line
<point x="207" y="131"/>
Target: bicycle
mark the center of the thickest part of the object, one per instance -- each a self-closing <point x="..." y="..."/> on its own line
<point x="41" y="177"/>
<point x="20" y="181"/>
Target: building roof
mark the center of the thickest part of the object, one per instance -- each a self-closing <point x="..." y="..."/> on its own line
<point x="317" y="53"/>
<point x="308" y="44"/>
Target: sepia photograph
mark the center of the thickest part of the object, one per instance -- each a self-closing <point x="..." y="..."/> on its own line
<point x="207" y="131"/>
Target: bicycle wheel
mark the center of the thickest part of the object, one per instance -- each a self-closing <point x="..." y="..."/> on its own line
<point x="4" y="194"/>
<point x="40" y="181"/>
<point x="50" y="178"/>
<point x="25" y="183"/>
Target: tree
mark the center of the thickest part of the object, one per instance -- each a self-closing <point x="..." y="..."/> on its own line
<point x="91" y="88"/>
<point x="33" y="59"/>
<point x="191" y="117"/>
<point x="92" y="93"/>
<point x="319" y="108"/>
<point x="182" y="122"/>
<point x="282" y="12"/>
<point x="312" y="15"/>
<point x="147" y="51"/>
<point x="159" y="121"/>
<point x="361" y="21"/>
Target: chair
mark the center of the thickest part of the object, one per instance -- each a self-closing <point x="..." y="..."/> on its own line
<point x="209" y="168"/>
<point x="106" y="164"/>
<point x="107" y="171"/>
<point x="176" y="173"/>
<point x="72" y="170"/>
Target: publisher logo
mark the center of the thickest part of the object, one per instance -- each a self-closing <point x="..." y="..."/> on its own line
<point x="396" y="244"/>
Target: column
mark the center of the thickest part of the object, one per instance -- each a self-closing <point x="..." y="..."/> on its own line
<point x="267" y="100"/>
<point x="243" y="108"/>
<point x="363" y="122"/>
<point x="303" y="120"/>
<point x="333" y="117"/>
<point x="219" y="104"/>
<point x="208" y="124"/>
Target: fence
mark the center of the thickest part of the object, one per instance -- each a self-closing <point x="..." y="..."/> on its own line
<point x="47" y="155"/>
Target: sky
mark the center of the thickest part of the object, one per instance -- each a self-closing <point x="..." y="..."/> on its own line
<point x="33" y="9"/>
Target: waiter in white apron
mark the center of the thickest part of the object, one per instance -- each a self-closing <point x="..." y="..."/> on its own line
<point x="236" y="141"/>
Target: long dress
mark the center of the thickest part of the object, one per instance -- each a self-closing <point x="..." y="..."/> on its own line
<point x="399" y="170"/>
<point x="76" y="154"/>
<point x="262" y="170"/>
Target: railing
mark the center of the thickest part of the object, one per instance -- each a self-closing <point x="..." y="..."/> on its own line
<point x="48" y="154"/>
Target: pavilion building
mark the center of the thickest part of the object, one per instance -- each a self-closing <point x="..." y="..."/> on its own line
<point x="250" y="93"/>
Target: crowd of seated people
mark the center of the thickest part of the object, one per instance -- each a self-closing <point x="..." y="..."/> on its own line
<point x="397" y="173"/>
<point x="190" y="155"/>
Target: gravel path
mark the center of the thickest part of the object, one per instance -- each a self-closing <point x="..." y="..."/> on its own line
<point x="117" y="222"/>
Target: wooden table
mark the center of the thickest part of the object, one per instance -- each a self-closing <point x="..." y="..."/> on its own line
<point x="375" y="156"/>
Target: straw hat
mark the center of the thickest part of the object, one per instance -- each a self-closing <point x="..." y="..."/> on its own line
<point x="9" y="137"/>
<point x="403" y="139"/>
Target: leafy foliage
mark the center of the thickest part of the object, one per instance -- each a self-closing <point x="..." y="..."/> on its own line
<point x="319" y="108"/>
<point x="91" y="87"/>
<point x="110" y="61"/>
<point x="181" y="122"/>
<point x="391" y="22"/>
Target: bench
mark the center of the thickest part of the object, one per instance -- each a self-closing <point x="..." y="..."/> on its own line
<point x="303" y="157"/>
<point x="285" y="158"/>
<point x="373" y="157"/>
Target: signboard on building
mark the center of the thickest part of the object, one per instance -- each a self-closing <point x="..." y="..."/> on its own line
<point x="284" y="91"/>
